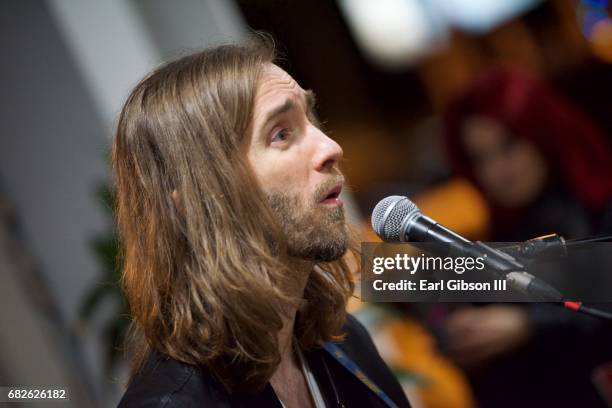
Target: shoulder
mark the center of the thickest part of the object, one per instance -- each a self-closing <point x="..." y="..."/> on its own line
<point x="354" y="328"/>
<point x="166" y="383"/>
<point x="360" y="348"/>
<point x="357" y="339"/>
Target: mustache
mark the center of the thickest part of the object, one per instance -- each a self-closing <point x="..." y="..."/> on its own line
<point x="323" y="189"/>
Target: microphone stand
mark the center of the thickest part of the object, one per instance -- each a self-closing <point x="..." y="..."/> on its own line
<point x="556" y="246"/>
<point x="589" y="240"/>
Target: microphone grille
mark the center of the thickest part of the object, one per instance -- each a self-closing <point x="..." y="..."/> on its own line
<point x="389" y="214"/>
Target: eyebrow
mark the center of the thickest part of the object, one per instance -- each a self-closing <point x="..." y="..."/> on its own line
<point x="289" y="105"/>
<point x="279" y="110"/>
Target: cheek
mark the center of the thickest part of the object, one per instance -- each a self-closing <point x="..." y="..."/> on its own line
<point x="533" y="169"/>
<point x="283" y="171"/>
<point x="493" y="174"/>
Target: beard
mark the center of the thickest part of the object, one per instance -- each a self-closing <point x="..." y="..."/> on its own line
<point x="313" y="231"/>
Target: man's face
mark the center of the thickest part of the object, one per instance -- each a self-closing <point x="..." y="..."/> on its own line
<point x="297" y="166"/>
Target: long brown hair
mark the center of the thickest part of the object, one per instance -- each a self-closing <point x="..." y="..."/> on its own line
<point x="207" y="279"/>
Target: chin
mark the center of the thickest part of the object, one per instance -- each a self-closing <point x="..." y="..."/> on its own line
<point x="328" y="255"/>
<point x="334" y="245"/>
<point x="328" y="245"/>
<point x="514" y="201"/>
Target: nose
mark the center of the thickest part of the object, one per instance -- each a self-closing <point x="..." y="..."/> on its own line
<point x="328" y="152"/>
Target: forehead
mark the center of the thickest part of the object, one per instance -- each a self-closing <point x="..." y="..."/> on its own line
<point x="276" y="85"/>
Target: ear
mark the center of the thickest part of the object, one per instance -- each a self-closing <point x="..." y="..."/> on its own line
<point x="178" y="203"/>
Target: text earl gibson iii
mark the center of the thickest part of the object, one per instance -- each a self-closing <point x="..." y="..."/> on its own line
<point x="441" y="285"/>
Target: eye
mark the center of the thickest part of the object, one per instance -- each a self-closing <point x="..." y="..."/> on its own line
<point x="281" y="135"/>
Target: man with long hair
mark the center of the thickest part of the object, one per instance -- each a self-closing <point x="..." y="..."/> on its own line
<point x="233" y="238"/>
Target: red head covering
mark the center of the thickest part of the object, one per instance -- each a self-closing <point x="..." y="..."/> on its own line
<point x="573" y="146"/>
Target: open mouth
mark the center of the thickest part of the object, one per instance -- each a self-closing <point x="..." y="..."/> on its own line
<point x="333" y="196"/>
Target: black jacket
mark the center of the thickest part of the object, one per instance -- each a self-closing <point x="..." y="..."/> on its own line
<point x="168" y="383"/>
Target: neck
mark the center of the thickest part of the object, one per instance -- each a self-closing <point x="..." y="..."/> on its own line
<point x="288" y="381"/>
<point x="302" y="270"/>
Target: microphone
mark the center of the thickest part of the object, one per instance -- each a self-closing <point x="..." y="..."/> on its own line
<point x="397" y="219"/>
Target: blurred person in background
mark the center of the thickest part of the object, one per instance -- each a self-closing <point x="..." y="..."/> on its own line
<point x="543" y="167"/>
<point x="533" y="155"/>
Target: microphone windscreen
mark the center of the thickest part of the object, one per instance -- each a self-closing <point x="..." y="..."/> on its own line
<point x="388" y="215"/>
